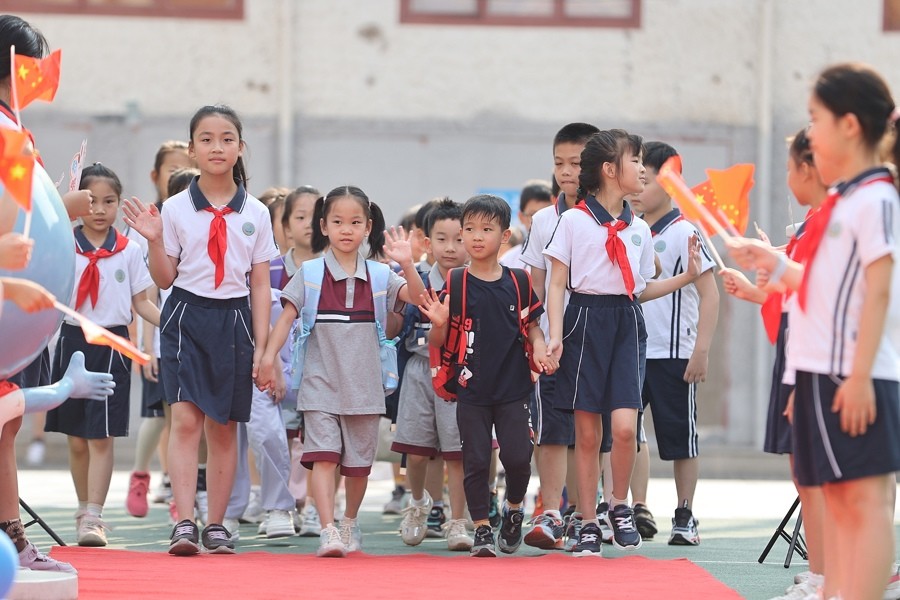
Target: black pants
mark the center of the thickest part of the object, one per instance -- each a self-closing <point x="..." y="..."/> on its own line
<point x="511" y="421"/>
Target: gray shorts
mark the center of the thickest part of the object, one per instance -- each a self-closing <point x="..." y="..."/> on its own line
<point x="348" y="440"/>
<point x="426" y="424"/>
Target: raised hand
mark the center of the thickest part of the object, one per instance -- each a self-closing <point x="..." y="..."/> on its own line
<point x="15" y="251"/>
<point x="695" y="265"/>
<point x="397" y="246"/>
<point x="431" y="306"/>
<point x="88" y="384"/>
<point x="144" y="219"/>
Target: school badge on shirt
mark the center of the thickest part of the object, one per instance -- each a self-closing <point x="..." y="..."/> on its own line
<point x="248" y="228"/>
<point x="636" y="239"/>
<point x="660" y="246"/>
<point x="119" y="275"/>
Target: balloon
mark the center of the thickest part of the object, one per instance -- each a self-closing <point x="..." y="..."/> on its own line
<point x="23" y="336"/>
<point x="9" y="564"/>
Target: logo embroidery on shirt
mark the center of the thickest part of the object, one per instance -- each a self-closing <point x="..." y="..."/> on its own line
<point x="834" y="229"/>
<point x="120" y="275"/>
<point x="636" y="239"/>
<point x="248" y="228"/>
<point x="660" y="246"/>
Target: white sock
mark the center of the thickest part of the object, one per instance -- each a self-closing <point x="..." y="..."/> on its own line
<point x="614" y="502"/>
<point x="95" y="510"/>
<point x="553" y="513"/>
<point x="418" y="501"/>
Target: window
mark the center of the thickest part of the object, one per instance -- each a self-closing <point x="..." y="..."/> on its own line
<point x="891" y="15"/>
<point x="198" y="9"/>
<point x="551" y="13"/>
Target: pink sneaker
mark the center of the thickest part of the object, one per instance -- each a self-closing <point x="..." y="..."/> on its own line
<point x="136" y="502"/>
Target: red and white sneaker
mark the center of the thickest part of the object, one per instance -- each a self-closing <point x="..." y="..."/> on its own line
<point x="136" y="501"/>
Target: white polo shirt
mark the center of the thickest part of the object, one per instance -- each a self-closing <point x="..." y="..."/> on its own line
<point x="579" y="242"/>
<point x="672" y="320"/>
<point x="186" y="237"/>
<point x="543" y="224"/>
<point x="122" y="275"/>
<point x="864" y="227"/>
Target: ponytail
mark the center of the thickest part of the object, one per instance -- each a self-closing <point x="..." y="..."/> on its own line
<point x="376" y="234"/>
<point x="319" y="240"/>
<point x="239" y="172"/>
<point x="895" y="150"/>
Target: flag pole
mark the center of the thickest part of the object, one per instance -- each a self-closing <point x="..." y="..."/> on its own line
<point x="14" y="97"/>
<point x="712" y="249"/>
<point x="26" y="231"/>
<point x="677" y="187"/>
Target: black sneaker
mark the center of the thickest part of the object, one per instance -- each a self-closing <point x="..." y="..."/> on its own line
<point x="684" y="528"/>
<point x="509" y="538"/>
<point x="573" y="529"/>
<point x="484" y="543"/>
<point x="494" y="515"/>
<point x="217" y="540"/>
<point x="435" y="523"/>
<point x="588" y="541"/>
<point x="606" y="532"/>
<point x="185" y="539"/>
<point x="644" y="521"/>
<point x="625" y="533"/>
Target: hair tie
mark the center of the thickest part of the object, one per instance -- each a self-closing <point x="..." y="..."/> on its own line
<point x="895" y="115"/>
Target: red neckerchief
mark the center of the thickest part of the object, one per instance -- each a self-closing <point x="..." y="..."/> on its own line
<point x="89" y="284"/>
<point x="773" y="307"/>
<point x="615" y="247"/>
<point x="218" y="240"/>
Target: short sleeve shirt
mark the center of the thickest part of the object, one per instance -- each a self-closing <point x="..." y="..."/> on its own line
<point x="543" y="224"/>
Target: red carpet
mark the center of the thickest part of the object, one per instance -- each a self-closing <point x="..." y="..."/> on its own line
<point x="105" y="573"/>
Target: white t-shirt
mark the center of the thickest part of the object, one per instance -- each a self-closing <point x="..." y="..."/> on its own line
<point x="543" y="224"/>
<point x="186" y="237"/>
<point x="864" y="227"/>
<point x="579" y="242"/>
<point x="671" y="320"/>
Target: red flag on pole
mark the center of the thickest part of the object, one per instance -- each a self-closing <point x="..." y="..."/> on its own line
<point x="36" y="79"/>
<point x="94" y="334"/>
<point x="16" y="165"/>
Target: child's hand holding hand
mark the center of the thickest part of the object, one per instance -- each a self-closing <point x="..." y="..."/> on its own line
<point x="279" y="389"/>
<point x="554" y="349"/>
<point x="28" y="295"/>
<point x="146" y="220"/>
<point x="544" y="358"/>
<point x="752" y="254"/>
<point x="736" y="283"/>
<point x="15" y="251"/>
<point x="431" y="306"/>
<point x="265" y="373"/>
<point x="397" y="246"/>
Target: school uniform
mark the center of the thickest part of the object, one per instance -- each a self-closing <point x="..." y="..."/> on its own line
<point x="603" y="327"/>
<point x="341" y="394"/>
<point x="552" y="426"/>
<point x="495" y="394"/>
<point x="206" y="333"/>
<point x="671" y="323"/>
<point x="106" y="279"/>
<point x="863" y="227"/>
<point x="426" y="424"/>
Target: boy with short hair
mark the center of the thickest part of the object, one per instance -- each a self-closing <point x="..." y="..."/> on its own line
<point x="680" y="328"/>
<point x="426" y="425"/>
<point x="494" y="385"/>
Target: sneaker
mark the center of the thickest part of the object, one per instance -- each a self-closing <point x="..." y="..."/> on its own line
<point x="185" y="539"/>
<point x="254" y="513"/>
<point x="261" y="530"/>
<point x="217" y="540"/>
<point x="892" y="591"/>
<point x="625" y="533"/>
<point x="588" y="541"/>
<point x="606" y="532"/>
<point x="32" y="558"/>
<point x="645" y="522"/>
<point x="136" y="501"/>
<point x="509" y="538"/>
<point x="436" y="520"/>
<point x="311" y="526"/>
<point x="35" y="453"/>
<point x="573" y="530"/>
<point x="234" y="528"/>
<point x="201" y="504"/>
<point x="802" y="576"/>
<point x="457" y="536"/>
<point x="547" y="532"/>
<point x="330" y="544"/>
<point x="92" y="531"/>
<point x="494" y="515"/>
<point x="413" y="527"/>
<point x="483" y="546"/>
<point x="295" y="521"/>
<point x="684" y="528"/>
<point x="163" y="491"/>
<point x="397" y="502"/>
<point x="800" y="591"/>
<point x="279" y="524"/>
<point x="351" y="535"/>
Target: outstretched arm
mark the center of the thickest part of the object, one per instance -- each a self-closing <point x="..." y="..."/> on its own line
<point x="148" y="222"/>
<point x="661" y="287"/>
<point x="77" y="382"/>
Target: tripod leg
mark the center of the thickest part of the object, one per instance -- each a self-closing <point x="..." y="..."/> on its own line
<point x="37" y="519"/>
<point x="779" y="531"/>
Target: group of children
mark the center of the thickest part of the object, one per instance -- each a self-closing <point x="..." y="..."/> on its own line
<point x="554" y="349"/>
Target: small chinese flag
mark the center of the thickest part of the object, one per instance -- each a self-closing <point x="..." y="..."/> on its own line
<point x="36" y="79"/>
<point x="726" y="194"/>
<point x="16" y="165"/>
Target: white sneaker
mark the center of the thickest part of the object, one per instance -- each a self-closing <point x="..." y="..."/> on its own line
<point x="234" y="528"/>
<point x="414" y="525"/>
<point x="892" y="591"/>
<point x="254" y="513"/>
<point x="163" y="493"/>
<point x="802" y="576"/>
<point x="351" y="535"/>
<point x="311" y="526"/>
<point x="330" y="544"/>
<point x="279" y="524"/>
<point x="34" y="559"/>
<point x="35" y="454"/>
<point x="92" y="531"/>
<point x="800" y="591"/>
<point x="457" y="537"/>
<point x="201" y="504"/>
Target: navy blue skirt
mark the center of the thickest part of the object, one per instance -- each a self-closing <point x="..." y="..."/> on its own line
<point x="207" y="354"/>
<point x="778" y="429"/>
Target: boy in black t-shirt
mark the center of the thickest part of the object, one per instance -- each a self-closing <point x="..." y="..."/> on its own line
<point x="496" y="380"/>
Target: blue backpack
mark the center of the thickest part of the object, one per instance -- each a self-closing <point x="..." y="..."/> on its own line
<point x="313" y="274"/>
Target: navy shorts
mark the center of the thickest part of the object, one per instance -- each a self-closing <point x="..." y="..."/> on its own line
<point x="825" y="454"/>
<point x="778" y="429"/>
<point x="92" y="419"/>
<point x="151" y="398"/>
<point x="673" y="404"/>
<point x="552" y="426"/>
<point x="600" y="368"/>
<point x="207" y="354"/>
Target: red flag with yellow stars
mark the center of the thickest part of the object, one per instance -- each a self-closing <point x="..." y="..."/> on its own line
<point x="36" y="79"/>
<point x="16" y="165"/>
<point x="726" y="195"/>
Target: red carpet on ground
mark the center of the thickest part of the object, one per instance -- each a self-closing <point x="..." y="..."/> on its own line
<point x="106" y="573"/>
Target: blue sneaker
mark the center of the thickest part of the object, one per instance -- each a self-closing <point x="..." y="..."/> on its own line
<point x="588" y="541"/>
<point x="547" y="532"/>
<point x="484" y="543"/>
<point x="625" y="533"/>
<point x="509" y="538"/>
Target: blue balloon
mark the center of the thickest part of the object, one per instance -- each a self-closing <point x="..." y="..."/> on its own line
<point x="9" y="564"/>
<point x="23" y="336"/>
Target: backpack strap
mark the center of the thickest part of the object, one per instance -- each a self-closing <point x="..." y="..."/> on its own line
<point x="313" y="274"/>
<point x="379" y="275"/>
<point x="522" y="281"/>
<point x="456" y="289"/>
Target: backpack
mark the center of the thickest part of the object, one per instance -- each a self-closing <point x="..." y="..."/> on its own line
<point x="448" y="363"/>
<point x="313" y="274"/>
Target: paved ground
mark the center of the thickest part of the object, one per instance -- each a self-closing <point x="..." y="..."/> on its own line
<point x="737" y="518"/>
